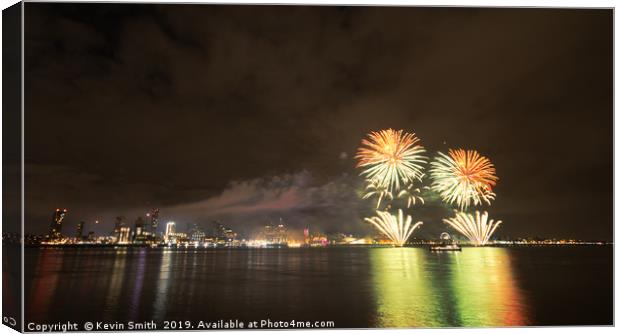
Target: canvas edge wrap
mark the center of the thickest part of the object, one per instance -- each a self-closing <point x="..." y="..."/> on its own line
<point x="12" y="167"/>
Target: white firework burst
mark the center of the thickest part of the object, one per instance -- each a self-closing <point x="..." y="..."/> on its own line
<point x="396" y="228"/>
<point x="464" y="177"/>
<point x="391" y="158"/>
<point x="477" y="228"/>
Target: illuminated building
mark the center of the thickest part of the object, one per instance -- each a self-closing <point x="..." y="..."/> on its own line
<point x="91" y="236"/>
<point x="229" y="235"/>
<point x="357" y="241"/>
<point x="275" y="235"/>
<point x="223" y="235"/>
<point x="318" y="240"/>
<point x="170" y="229"/>
<point x="197" y="234"/>
<point x="280" y="235"/>
<point x="79" y="231"/>
<point x="124" y="236"/>
<point x="268" y="232"/>
<point x="307" y="236"/>
<point x="56" y="226"/>
<point x="176" y="238"/>
<point x="139" y="227"/>
<point x="118" y="224"/>
<point x="152" y="220"/>
<point x="141" y="235"/>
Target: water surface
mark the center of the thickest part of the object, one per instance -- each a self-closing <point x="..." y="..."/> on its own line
<point x="354" y="287"/>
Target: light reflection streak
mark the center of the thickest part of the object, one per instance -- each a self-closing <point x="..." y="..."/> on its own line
<point x="486" y="290"/>
<point x="163" y="283"/>
<point x="137" y="291"/>
<point x="47" y="269"/>
<point x="475" y="288"/>
<point x="404" y="289"/>
<point x="116" y="280"/>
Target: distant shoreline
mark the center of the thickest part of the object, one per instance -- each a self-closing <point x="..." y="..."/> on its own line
<point x="303" y="248"/>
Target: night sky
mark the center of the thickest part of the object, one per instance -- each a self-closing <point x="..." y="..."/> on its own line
<point x="247" y="114"/>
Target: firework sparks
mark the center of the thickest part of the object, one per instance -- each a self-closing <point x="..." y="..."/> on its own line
<point x="391" y="158"/>
<point x="478" y="229"/>
<point x="375" y="189"/>
<point x="396" y="228"/>
<point x="412" y="194"/>
<point x="464" y="177"/>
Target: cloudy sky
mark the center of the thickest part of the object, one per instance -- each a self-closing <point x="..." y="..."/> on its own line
<point x="247" y="114"/>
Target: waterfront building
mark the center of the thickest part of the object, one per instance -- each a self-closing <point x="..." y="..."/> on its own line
<point x="124" y="235"/>
<point x="223" y="235"/>
<point x="141" y="234"/>
<point x="139" y="227"/>
<point x="177" y="238"/>
<point x="197" y="235"/>
<point x="80" y="231"/>
<point x="307" y="236"/>
<point x="152" y="220"/>
<point x="56" y="225"/>
<point x="318" y="240"/>
<point x="170" y="229"/>
<point x="118" y="224"/>
<point x="275" y="235"/>
<point x="280" y="234"/>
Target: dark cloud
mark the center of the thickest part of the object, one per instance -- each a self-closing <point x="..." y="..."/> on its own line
<point x="134" y="106"/>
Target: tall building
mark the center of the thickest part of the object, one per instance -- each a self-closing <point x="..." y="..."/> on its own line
<point x="118" y="224"/>
<point x="223" y="233"/>
<point x="268" y="233"/>
<point x="139" y="228"/>
<point x="197" y="234"/>
<point x="170" y="227"/>
<point x="124" y="236"/>
<point x="275" y="234"/>
<point x="56" y="226"/>
<point x="280" y="235"/>
<point x="80" y="230"/>
<point x="170" y="230"/>
<point x="152" y="220"/>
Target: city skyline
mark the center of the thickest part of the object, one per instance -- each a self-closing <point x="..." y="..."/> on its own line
<point x="133" y="232"/>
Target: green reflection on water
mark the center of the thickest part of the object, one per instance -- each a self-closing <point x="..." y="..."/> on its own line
<point x="417" y="288"/>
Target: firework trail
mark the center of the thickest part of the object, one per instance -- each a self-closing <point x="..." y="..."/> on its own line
<point x="412" y="195"/>
<point x="478" y="229"/>
<point x="464" y="177"/>
<point x="391" y="158"/>
<point x="396" y="228"/>
<point x="375" y="189"/>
